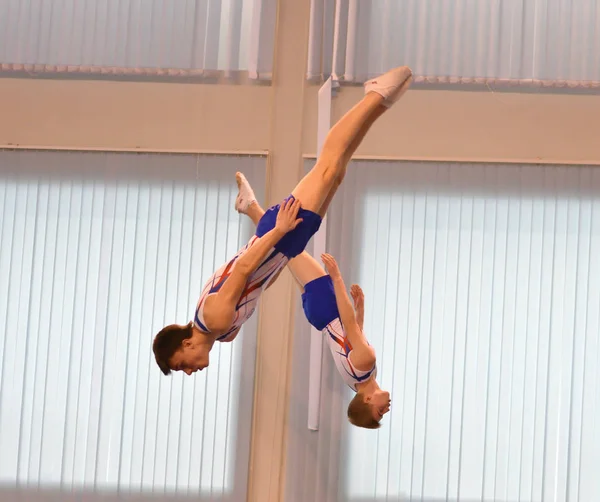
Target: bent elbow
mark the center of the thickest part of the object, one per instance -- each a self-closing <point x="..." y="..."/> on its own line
<point x="370" y="359"/>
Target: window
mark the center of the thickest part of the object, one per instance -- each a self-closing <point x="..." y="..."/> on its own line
<point x="482" y="297"/>
<point x="99" y="252"/>
<point x="523" y="42"/>
<point x="170" y="39"/>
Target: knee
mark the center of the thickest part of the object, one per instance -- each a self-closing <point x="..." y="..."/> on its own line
<point x="332" y="166"/>
<point x="338" y="180"/>
<point x="334" y="176"/>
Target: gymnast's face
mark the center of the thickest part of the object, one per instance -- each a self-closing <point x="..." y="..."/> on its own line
<point x="192" y="356"/>
<point x="380" y="403"/>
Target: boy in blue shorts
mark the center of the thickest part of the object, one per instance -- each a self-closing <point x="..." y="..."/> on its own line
<point x="230" y="296"/>
<point x="327" y="307"/>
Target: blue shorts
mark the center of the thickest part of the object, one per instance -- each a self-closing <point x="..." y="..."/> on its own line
<point x="294" y="242"/>
<point x="318" y="302"/>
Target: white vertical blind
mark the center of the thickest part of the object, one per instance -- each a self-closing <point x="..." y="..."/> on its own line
<point x="484" y="293"/>
<point x="100" y="251"/>
<point x="482" y="287"/>
<point x="166" y="38"/>
<point x="524" y="42"/>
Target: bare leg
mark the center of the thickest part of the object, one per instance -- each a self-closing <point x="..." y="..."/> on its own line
<point x="305" y="269"/>
<point x="255" y="212"/>
<point x="357" y="140"/>
<point x="362" y="132"/>
<point x="313" y="189"/>
<point x="345" y="137"/>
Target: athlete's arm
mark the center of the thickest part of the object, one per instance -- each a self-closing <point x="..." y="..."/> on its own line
<point x="363" y="355"/>
<point x="219" y="310"/>
<point x="359" y="304"/>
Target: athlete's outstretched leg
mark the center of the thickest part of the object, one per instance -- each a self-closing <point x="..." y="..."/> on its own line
<point x="305" y="269"/>
<point x="357" y="140"/>
<point x="345" y="136"/>
<point x="246" y="200"/>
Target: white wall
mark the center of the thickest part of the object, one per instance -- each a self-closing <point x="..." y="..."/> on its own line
<point x="427" y="124"/>
<point x="457" y="125"/>
<point x="116" y="115"/>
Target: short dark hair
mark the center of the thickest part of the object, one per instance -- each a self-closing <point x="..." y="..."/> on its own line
<point x="168" y="341"/>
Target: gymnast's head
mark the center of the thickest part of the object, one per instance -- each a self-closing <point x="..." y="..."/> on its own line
<point x="180" y="348"/>
<point x="368" y="407"/>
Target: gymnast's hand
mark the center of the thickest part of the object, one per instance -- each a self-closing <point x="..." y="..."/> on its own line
<point x="287" y="217"/>
<point x="358" y="296"/>
<point x="331" y="266"/>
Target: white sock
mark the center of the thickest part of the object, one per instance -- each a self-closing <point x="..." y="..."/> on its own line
<point x="245" y="195"/>
<point x="391" y="85"/>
